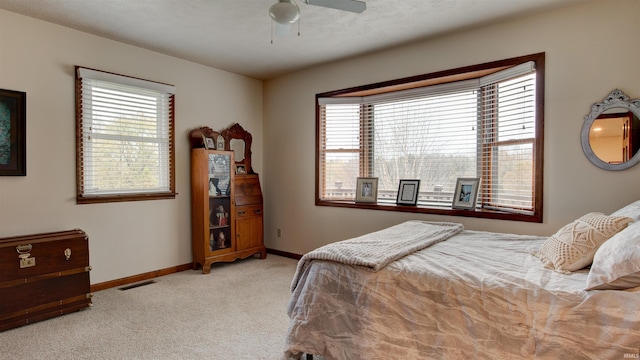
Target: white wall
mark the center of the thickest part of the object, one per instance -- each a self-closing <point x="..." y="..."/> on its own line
<point x="128" y="238"/>
<point x="590" y="48"/>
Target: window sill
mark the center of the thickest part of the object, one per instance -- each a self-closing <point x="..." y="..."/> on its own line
<point x="121" y="198"/>
<point x="478" y="213"/>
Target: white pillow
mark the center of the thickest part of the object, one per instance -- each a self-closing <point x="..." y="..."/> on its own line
<point x="632" y="210"/>
<point x="616" y="265"/>
<point x="574" y="245"/>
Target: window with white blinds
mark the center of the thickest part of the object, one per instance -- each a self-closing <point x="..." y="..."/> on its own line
<point x="125" y="138"/>
<point x="481" y="127"/>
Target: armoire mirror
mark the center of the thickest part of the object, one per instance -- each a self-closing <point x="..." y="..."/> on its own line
<point x="239" y="140"/>
<point x="610" y="134"/>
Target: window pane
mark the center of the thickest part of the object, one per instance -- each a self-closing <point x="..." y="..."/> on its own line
<point x="514" y="176"/>
<point x="124" y="141"/>
<point x="516" y="104"/>
<point x="508" y="162"/>
<point x="340" y="141"/>
<point x="431" y="138"/>
<point x="343" y="126"/>
<point x="126" y="138"/>
<point x="341" y="172"/>
<point x="124" y="166"/>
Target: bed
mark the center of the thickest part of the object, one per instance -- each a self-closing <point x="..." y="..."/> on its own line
<point x="472" y="294"/>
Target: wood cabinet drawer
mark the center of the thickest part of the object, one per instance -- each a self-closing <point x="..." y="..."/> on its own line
<point x="248" y="211"/>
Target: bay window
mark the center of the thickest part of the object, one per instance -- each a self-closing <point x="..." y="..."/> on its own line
<point x="483" y="121"/>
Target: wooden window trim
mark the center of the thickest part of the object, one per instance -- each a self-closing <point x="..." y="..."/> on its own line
<point x="462" y="73"/>
<point x="81" y="198"/>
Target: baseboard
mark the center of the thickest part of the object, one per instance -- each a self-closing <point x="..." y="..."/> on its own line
<point x="140" y="277"/>
<point x="170" y="270"/>
<point x="284" y="254"/>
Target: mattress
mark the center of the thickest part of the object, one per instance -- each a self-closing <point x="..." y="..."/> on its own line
<point x="476" y="295"/>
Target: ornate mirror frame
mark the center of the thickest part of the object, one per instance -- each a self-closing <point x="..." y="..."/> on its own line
<point x="236" y="132"/>
<point x="616" y="99"/>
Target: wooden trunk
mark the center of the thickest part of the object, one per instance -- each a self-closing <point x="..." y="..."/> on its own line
<point x="42" y="276"/>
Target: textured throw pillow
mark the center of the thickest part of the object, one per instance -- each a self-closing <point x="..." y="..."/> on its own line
<point x="574" y="245"/>
<point x="616" y="265"/>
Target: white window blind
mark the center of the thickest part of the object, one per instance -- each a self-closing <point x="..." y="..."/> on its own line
<point x="483" y="128"/>
<point x="126" y="135"/>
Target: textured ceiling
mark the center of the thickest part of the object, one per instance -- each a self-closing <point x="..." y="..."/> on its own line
<point x="236" y="35"/>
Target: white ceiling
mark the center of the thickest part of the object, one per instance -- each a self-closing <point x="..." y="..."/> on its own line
<point x="235" y="35"/>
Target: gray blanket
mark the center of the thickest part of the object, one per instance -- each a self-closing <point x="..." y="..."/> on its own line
<point x="375" y="250"/>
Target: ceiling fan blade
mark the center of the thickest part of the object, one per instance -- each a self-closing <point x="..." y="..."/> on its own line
<point x="346" y="5"/>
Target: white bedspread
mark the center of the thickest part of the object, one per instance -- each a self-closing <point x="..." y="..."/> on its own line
<point x="375" y="250"/>
<point x="477" y="295"/>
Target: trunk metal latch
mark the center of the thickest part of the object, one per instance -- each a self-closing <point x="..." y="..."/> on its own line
<point x="24" y="251"/>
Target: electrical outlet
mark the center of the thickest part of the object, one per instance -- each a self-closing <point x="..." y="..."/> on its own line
<point x="279" y="232"/>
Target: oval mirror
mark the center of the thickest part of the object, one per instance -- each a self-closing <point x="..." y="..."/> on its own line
<point x="610" y="134"/>
<point x="239" y="140"/>
<point x="237" y="146"/>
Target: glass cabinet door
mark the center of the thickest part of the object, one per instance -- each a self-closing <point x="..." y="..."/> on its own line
<point x="219" y="201"/>
<point x="219" y="174"/>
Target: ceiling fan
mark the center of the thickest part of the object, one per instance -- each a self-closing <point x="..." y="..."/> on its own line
<point x="286" y="12"/>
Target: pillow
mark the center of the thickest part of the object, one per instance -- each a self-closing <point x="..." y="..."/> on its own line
<point x="632" y="210"/>
<point x="574" y="245"/>
<point x="616" y="265"/>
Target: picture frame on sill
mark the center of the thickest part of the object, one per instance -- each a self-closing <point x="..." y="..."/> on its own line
<point x="408" y="192"/>
<point x="220" y="143"/>
<point x="466" y="193"/>
<point x="367" y="190"/>
<point x="241" y="170"/>
<point x="13" y="127"/>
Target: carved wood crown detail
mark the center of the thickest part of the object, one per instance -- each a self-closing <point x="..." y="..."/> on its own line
<point x="235" y="131"/>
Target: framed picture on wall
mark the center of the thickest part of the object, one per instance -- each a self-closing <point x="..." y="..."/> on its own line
<point x="465" y="194"/>
<point x="13" y="137"/>
<point x="367" y="190"/>
<point x="408" y="192"/>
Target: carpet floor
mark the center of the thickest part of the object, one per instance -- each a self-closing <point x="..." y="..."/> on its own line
<point x="238" y="311"/>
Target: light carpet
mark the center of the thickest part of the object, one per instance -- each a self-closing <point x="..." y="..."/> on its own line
<point x="238" y="311"/>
